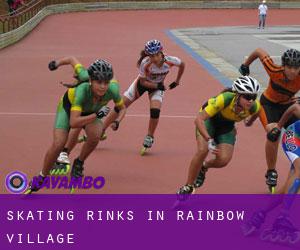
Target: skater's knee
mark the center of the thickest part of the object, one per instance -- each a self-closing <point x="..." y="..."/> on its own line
<point x="294" y="189"/>
<point x="202" y="150"/>
<point x="154" y="113"/>
<point x="222" y="160"/>
<point x="93" y="139"/>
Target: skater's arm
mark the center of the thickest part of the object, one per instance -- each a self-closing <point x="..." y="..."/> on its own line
<point x="248" y="122"/>
<point x="199" y="122"/>
<point x="78" y="121"/>
<point x="292" y="110"/>
<point x="258" y="53"/>
<point x="181" y="68"/>
<point x="254" y="113"/>
<point x="122" y="111"/>
<point x="71" y="60"/>
<point x="115" y="118"/>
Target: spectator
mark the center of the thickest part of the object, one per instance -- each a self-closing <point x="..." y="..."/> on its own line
<point x="13" y="5"/>
<point x="262" y="8"/>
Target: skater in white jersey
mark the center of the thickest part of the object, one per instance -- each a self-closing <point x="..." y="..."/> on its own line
<point x="153" y="66"/>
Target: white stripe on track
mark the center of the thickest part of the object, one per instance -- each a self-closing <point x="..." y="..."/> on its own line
<point x="128" y="115"/>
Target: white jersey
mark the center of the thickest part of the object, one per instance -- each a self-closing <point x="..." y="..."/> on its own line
<point x="155" y="74"/>
<point x="263" y="9"/>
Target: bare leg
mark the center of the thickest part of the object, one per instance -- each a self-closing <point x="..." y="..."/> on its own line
<point x="72" y="139"/>
<point x="271" y="149"/>
<point x="197" y="160"/>
<point x="294" y="174"/>
<point x="155" y="104"/>
<point x="222" y="158"/>
<point x="93" y="132"/>
<point x="60" y="137"/>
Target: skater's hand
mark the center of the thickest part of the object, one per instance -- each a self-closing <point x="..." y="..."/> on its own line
<point x="173" y="85"/>
<point x="102" y="112"/>
<point x="161" y="86"/>
<point x="52" y="65"/>
<point x="248" y="122"/>
<point x="115" y="125"/>
<point x="244" y="70"/>
<point x="212" y="146"/>
<point x="295" y="99"/>
<point x="274" y="134"/>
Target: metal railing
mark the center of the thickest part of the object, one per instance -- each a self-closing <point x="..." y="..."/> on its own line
<point x="24" y="13"/>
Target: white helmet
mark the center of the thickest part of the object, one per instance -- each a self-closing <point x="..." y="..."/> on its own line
<point x="246" y="85"/>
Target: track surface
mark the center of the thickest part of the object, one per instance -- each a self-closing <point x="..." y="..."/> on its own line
<point x="29" y="95"/>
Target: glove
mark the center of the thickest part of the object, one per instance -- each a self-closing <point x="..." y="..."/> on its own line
<point x="173" y="85"/>
<point x="115" y="125"/>
<point x="211" y="145"/>
<point x="52" y="65"/>
<point x="244" y="70"/>
<point x="102" y="112"/>
<point x="274" y="134"/>
<point x="161" y="86"/>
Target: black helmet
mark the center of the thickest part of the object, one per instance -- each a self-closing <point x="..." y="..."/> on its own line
<point x="101" y="70"/>
<point x="291" y="58"/>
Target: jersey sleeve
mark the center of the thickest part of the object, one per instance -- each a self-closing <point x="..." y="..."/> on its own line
<point x="76" y="97"/>
<point x="255" y="108"/>
<point x="81" y="73"/>
<point x="144" y="67"/>
<point x="115" y="90"/>
<point x="172" y="60"/>
<point x="271" y="68"/>
<point x="214" y="105"/>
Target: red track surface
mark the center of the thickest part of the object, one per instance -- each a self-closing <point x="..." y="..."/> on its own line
<point x="28" y="87"/>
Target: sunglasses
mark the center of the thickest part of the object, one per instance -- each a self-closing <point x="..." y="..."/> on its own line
<point x="249" y="97"/>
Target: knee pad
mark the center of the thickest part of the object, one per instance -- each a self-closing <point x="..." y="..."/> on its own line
<point x="116" y="109"/>
<point x="295" y="186"/>
<point x="154" y="113"/>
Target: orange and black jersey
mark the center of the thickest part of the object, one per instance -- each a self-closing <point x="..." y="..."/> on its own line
<point x="280" y="89"/>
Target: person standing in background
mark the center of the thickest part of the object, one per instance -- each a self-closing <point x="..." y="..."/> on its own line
<point x="262" y="8"/>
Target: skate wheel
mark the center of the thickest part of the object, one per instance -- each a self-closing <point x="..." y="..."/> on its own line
<point x="60" y="169"/>
<point x="272" y="190"/>
<point x="66" y="170"/>
<point x="81" y="139"/>
<point x="295" y="238"/>
<point x="103" y="137"/>
<point x="72" y="190"/>
<point x="28" y="191"/>
<point x="143" y="151"/>
<point x="266" y="235"/>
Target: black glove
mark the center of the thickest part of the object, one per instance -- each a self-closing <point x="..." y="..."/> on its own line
<point x="116" y="125"/>
<point x="244" y="70"/>
<point x="52" y="65"/>
<point x="102" y="112"/>
<point x="173" y="85"/>
<point x="274" y="134"/>
<point x="161" y="86"/>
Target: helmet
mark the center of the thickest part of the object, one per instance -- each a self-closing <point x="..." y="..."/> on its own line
<point x="291" y="58"/>
<point x="152" y="47"/>
<point x="246" y="85"/>
<point x="101" y="70"/>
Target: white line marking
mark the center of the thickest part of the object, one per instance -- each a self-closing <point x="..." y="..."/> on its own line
<point x="129" y="115"/>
